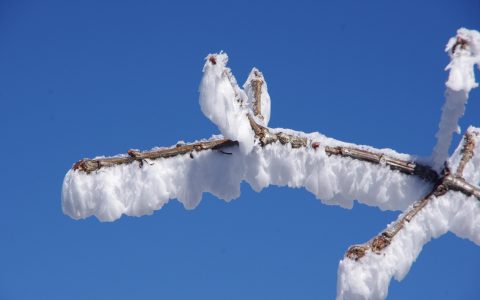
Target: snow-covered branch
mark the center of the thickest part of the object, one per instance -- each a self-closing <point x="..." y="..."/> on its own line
<point x="95" y="164"/>
<point x="464" y="52"/>
<point x="369" y="277"/>
<point x="256" y="89"/>
<point x="337" y="173"/>
<point x="452" y="205"/>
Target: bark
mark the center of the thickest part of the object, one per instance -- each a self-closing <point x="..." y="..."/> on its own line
<point x="257" y="83"/>
<point x="467" y="150"/>
<point x="264" y="136"/>
<point x="447" y="182"/>
<point x="90" y="165"/>
<point x="406" y="167"/>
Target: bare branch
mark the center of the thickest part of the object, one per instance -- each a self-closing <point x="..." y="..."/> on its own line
<point x="90" y="165"/>
<point x="406" y="167"/>
<point x="256" y="83"/>
<point x="468" y="147"/>
<point x="265" y="136"/>
<point x="459" y="184"/>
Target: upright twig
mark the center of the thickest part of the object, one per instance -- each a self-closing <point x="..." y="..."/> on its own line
<point x="256" y="83"/>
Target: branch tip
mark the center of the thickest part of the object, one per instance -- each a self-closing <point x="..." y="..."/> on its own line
<point x="212" y="59"/>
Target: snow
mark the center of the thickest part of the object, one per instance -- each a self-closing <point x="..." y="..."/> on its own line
<point x="127" y="189"/>
<point x="223" y="102"/>
<point x="463" y="59"/>
<point x="134" y="191"/>
<point x="464" y="52"/>
<point x="471" y="171"/>
<point x="130" y="190"/>
<point x="369" y="277"/>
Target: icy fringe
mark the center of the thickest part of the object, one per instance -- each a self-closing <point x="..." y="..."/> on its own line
<point x="227" y="105"/>
<point x="134" y="191"/>
<point x="464" y="52"/>
<point x="369" y="277"/>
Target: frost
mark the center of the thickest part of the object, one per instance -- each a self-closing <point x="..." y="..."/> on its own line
<point x="335" y="178"/>
<point x="370" y="277"/>
<point x="134" y="191"/>
<point x="223" y="102"/>
<point x="464" y="52"/>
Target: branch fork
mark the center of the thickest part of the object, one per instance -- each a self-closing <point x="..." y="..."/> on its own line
<point x="265" y="136"/>
<point x="448" y="182"/>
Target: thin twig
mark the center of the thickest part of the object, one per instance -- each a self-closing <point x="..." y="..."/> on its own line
<point x="256" y="82"/>
<point x="406" y="167"/>
<point x="90" y="165"/>
<point x="447" y="183"/>
<point x="468" y="147"/>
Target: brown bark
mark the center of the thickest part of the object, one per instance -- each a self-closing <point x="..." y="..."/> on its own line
<point x="468" y="147"/>
<point x="256" y="83"/>
<point x="442" y="186"/>
<point x="406" y="167"/>
<point x="90" y="165"/>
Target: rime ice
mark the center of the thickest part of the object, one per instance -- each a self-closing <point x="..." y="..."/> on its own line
<point x="134" y="191"/>
<point x="464" y="52"/>
<point x="129" y="190"/>
<point x="370" y="277"/>
<point x="224" y="103"/>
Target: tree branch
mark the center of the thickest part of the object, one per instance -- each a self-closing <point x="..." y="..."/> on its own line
<point x="406" y="167"/>
<point x="90" y="165"/>
<point x="467" y="151"/>
<point x="443" y="185"/>
<point x="265" y="136"/>
<point x="257" y="82"/>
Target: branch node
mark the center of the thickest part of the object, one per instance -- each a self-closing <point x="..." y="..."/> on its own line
<point x="133" y="153"/>
<point x="380" y="242"/>
<point x="356" y="252"/>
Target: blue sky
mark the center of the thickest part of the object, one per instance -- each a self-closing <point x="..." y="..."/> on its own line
<point x="86" y="78"/>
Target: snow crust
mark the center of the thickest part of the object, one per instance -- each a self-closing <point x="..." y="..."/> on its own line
<point x="464" y="52"/>
<point x="134" y="191"/>
<point x="224" y="103"/>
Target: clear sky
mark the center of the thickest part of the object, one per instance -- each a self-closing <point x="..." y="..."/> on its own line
<point x="86" y="78"/>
